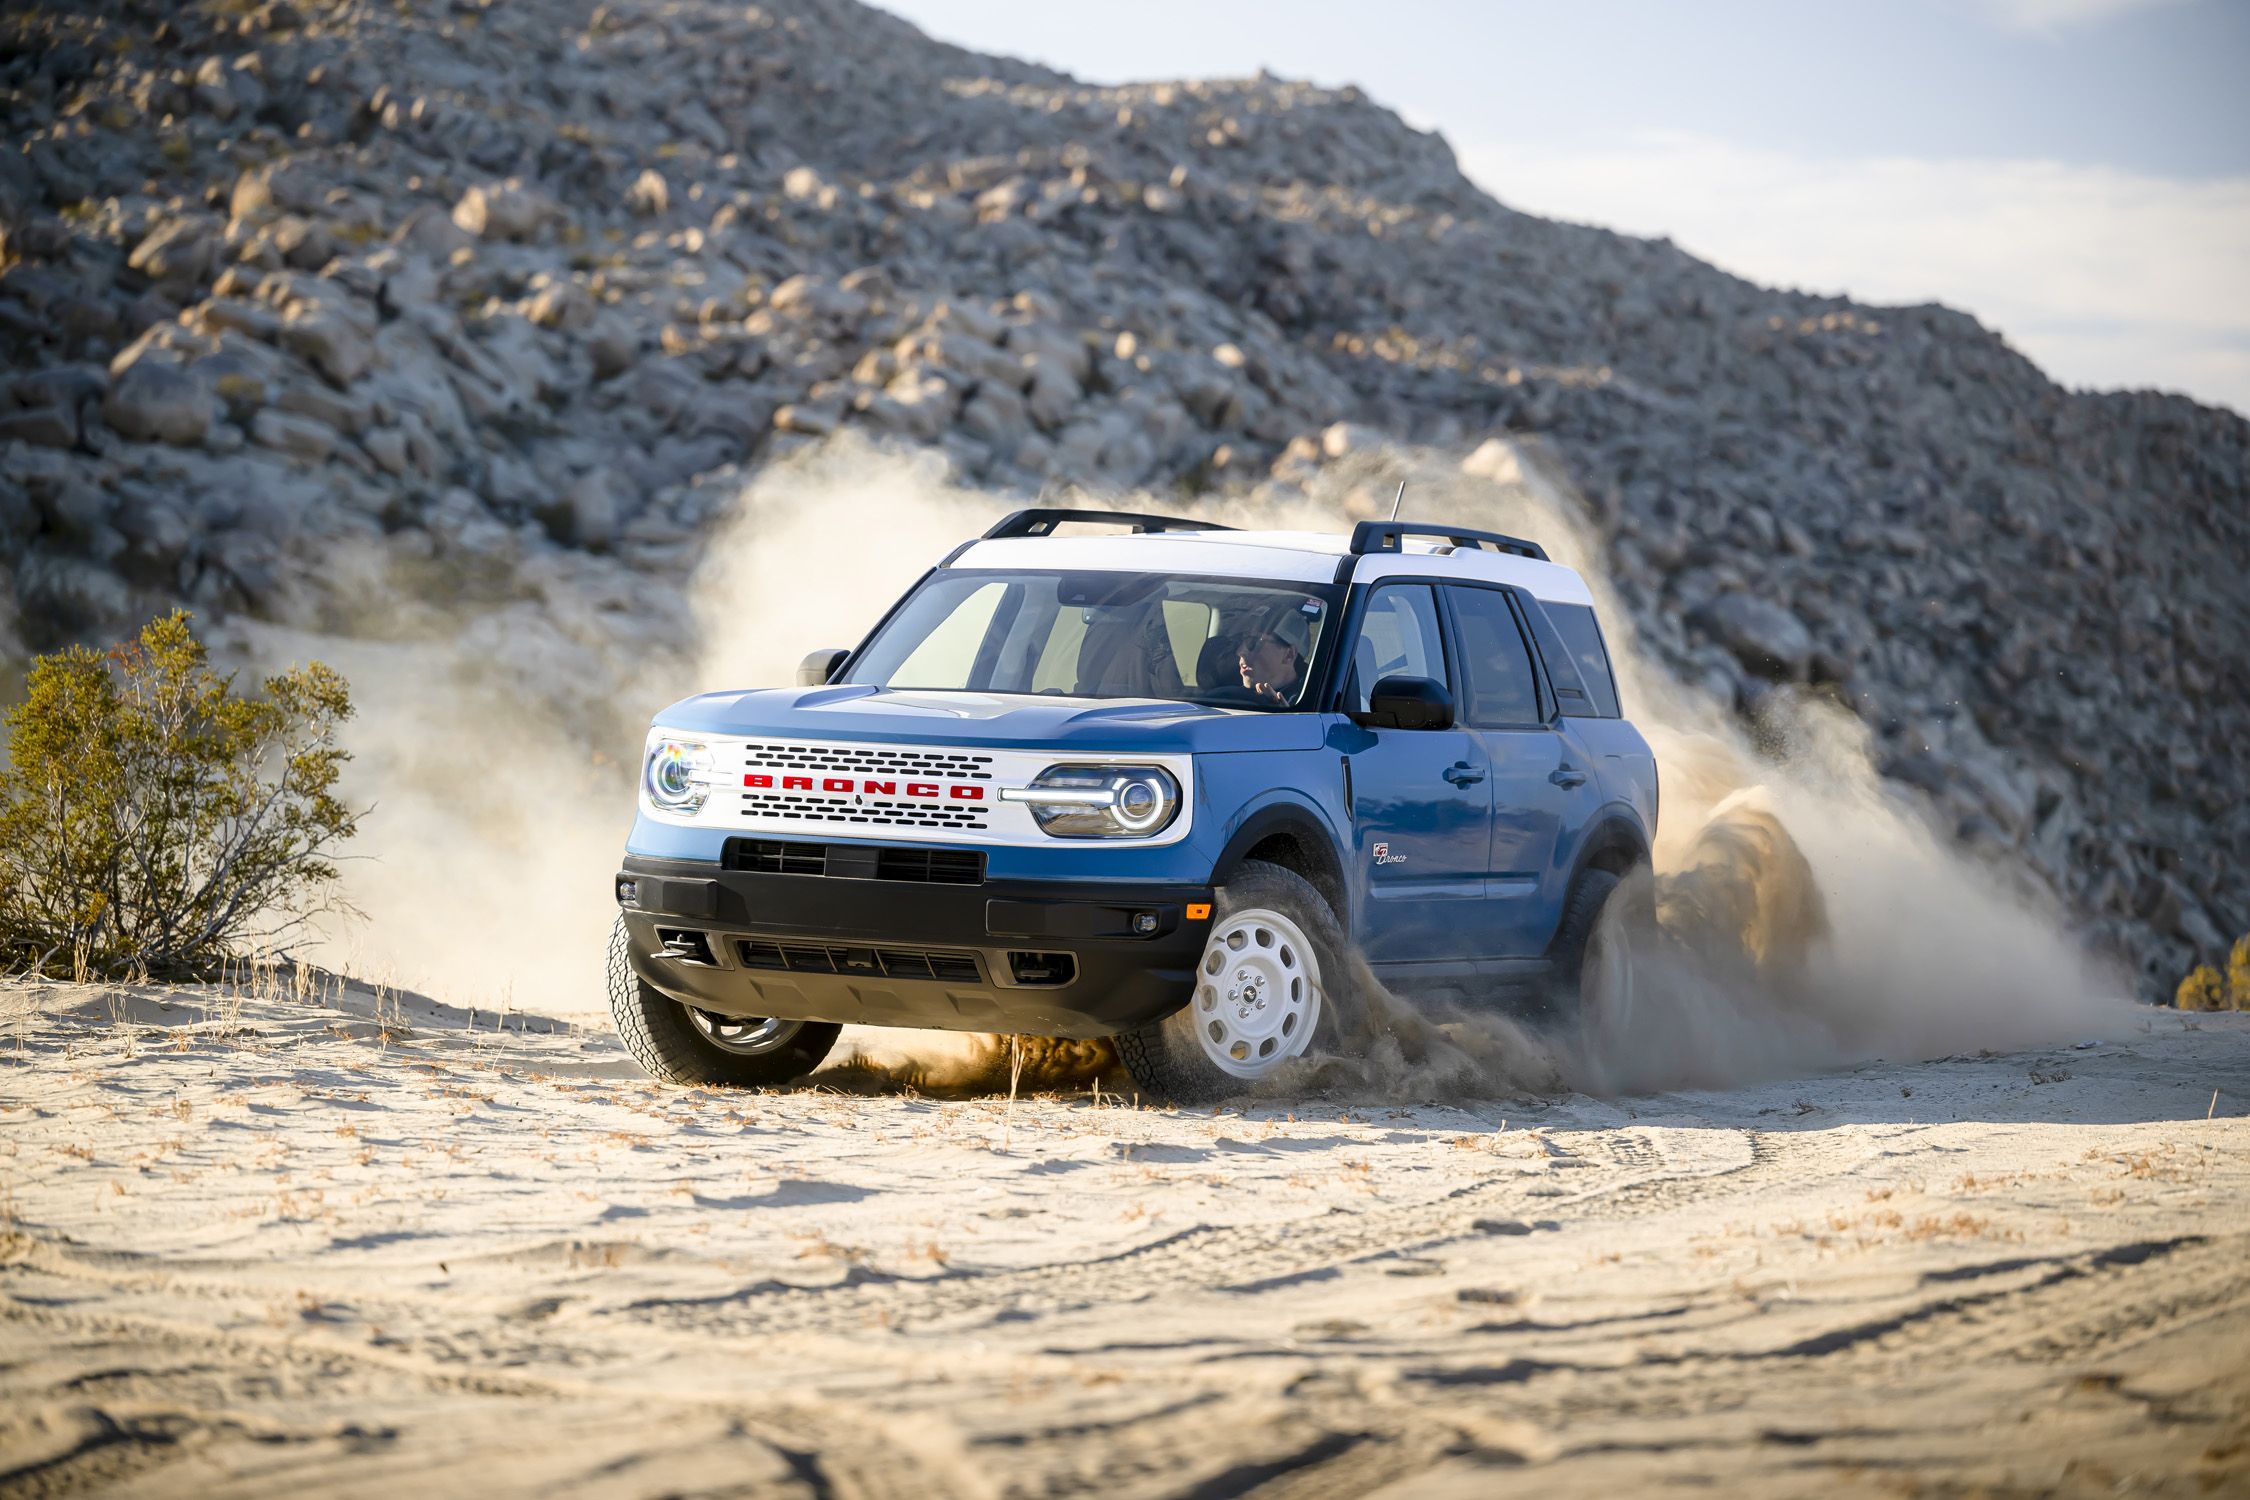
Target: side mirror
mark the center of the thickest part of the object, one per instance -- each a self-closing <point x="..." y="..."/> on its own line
<point x="1407" y="703"/>
<point x="819" y="666"/>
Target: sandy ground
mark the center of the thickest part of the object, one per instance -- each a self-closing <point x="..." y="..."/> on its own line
<point x="309" y="1249"/>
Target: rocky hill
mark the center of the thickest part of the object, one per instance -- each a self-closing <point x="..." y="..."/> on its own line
<point x="480" y="291"/>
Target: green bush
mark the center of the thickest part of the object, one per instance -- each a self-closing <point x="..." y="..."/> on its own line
<point x="154" y="821"/>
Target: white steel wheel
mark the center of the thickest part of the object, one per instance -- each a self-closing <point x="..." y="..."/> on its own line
<point x="1257" y="993"/>
<point x="749" y="1036"/>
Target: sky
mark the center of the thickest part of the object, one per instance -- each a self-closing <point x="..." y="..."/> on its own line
<point x="2074" y="172"/>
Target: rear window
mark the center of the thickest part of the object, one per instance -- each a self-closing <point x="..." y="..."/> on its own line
<point x="1582" y="634"/>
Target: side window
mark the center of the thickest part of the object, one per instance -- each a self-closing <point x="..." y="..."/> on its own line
<point x="1503" y="689"/>
<point x="1582" y="635"/>
<point x="1398" y="637"/>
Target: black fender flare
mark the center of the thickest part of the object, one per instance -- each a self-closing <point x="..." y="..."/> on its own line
<point x="1316" y="855"/>
<point x="1615" y="840"/>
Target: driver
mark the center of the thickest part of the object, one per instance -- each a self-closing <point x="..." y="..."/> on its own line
<point x="1271" y="657"/>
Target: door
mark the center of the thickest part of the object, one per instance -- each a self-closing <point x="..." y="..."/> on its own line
<point x="1540" y="783"/>
<point x="1421" y="797"/>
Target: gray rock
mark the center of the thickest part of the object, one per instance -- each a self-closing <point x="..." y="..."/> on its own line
<point x="156" y="403"/>
<point x="1766" y="638"/>
<point x="65" y="386"/>
<point x="179" y="252"/>
<point x="612" y="347"/>
<point x="48" y="426"/>
<point x="19" y="517"/>
<point x="997" y="416"/>
<point x="502" y="211"/>
<point x="588" y="513"/>
<point x="330" y="342"/>
<point x="345" y="411"/>
<point x="299" y="437"/>
<point x="387" y="446"/>
<point x="1344" y="438"/>
<point x="157" y="536"/>
<point x="811" y="418"/>
<point x="649" y="196"/>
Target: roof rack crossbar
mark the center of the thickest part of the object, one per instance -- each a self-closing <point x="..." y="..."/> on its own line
<point x="1043" y="521"/>
<point x="1390" y="536"/>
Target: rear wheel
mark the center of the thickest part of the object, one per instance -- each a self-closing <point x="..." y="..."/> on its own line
<point x="682" y="1045"/>
<point x="1263" y="991"/>
<point x="1593" y="977"/>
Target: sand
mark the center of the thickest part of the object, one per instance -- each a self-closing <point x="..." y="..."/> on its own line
<point x="284" y="1244"/>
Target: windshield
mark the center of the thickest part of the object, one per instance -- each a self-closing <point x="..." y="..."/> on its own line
<point x="1228" y="642"/>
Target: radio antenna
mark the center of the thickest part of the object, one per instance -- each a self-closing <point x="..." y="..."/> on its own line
<point x="1398" y="499"/>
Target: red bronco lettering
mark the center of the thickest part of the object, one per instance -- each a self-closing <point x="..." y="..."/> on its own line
<point x="957" y="791"/>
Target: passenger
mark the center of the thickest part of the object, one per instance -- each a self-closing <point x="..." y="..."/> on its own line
<point x="1271" y="658"/>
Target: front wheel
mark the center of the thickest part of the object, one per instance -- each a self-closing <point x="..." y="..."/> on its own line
<point x="1263" y="992"/>
<point x="681" y="1045"/>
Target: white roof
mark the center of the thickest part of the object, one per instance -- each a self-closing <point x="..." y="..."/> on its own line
<point x="1292" y="556"/>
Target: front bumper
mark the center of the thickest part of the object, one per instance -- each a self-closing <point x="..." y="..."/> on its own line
<point x="879" y="952"/>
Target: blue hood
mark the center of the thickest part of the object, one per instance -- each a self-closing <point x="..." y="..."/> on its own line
<point x="1005" y="720"/>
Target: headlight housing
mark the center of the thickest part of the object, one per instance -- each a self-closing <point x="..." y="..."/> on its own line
<point x="1100" y="802"/>
<point x="677" y="777"/>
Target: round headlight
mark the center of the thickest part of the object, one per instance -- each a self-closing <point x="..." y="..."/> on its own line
<point x="1143" y="804"/>
<point x="676" y="778"/>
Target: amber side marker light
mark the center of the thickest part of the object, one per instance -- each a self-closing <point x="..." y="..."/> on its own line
<point x="1199" y="911"/>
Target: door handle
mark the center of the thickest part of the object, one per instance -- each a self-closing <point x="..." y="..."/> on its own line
<point x="1461" y="773"/>
<point x="1567" y="775"/>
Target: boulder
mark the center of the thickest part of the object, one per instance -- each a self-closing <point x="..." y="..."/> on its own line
<point x="152" y="402"/>
<point x="329" y="341"/>
<point x="649" y="196"/>
<point x="502" y="211"/>
<point x="1766" y="638"/>
<point x="48" y="426"/>
<point x="299" y="437"/>
<point x="178" y="253"/>
<point x="588" y="512"/>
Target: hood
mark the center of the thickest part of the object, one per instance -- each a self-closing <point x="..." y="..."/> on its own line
<point x="1008" y="720"/>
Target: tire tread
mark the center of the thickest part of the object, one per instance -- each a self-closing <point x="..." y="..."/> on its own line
<point x="657" y="1032"/>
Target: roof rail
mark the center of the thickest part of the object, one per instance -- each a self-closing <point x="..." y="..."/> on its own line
<point x="1043" y="521"/>
<point x="1390" y="536"/>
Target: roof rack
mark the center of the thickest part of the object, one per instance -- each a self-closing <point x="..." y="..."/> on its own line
<point x="1042" y="522"/>
<point x="1390" y="536"/>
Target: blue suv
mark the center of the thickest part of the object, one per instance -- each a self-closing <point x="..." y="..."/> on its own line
<point x="1156" y="785"/>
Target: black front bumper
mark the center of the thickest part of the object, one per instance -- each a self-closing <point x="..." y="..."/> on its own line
<point x="880" y="952"/>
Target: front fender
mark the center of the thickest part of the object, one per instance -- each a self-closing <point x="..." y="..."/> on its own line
<point x="1315" y="845"/>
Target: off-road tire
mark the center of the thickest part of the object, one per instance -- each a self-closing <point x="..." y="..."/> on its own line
<point x="1591" y="898"/>
<point x="657" y="1031"/>
<point x="1167" y="1060"/>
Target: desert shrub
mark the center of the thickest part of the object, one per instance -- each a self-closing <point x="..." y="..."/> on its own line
<point x="154" y="820"/>
<point x="2201" y="990"/>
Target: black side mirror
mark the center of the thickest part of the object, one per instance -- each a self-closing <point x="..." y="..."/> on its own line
<point x="1407" y="703"/>
<point x="819" y="666"/>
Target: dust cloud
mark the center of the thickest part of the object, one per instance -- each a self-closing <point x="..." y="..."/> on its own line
<point x="1801" y="916"/>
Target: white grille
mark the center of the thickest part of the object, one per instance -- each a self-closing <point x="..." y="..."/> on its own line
<point x="806" y="787"/>
<point x="800" y="807"/>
